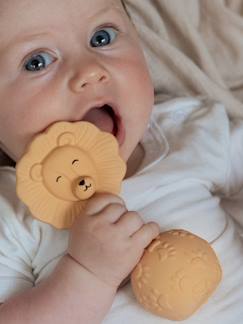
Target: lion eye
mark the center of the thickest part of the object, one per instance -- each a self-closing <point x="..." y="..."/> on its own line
<point x="58" y="178"/>
<point x="74" y="161"/>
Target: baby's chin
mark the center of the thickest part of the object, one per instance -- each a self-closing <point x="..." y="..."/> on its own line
<point x="125" y="152"/>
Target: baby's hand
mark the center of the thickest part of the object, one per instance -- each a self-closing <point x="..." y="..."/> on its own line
<point x="108" y="240"/>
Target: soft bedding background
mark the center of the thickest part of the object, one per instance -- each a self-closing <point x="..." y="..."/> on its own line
<point x="194" y="47"/>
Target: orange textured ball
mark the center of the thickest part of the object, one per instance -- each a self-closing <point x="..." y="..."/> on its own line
<point x="177" y="274"/>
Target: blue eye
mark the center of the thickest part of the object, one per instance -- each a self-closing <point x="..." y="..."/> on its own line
<point x="38" y="62"/>
<point x="103" y="37"/>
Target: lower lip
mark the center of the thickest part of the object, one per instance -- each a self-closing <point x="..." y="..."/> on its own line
<point x="120" y="134"/>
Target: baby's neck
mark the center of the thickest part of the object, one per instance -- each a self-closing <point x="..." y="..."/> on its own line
<point x="135" y="160"/>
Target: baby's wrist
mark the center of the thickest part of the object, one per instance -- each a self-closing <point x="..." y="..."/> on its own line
<point x="73" y="265"/>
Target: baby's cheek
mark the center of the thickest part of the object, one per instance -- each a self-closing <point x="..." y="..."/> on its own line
<point x="142" y="84"/>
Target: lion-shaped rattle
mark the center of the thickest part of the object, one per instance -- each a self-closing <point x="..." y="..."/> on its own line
<point x="65" y="166"/>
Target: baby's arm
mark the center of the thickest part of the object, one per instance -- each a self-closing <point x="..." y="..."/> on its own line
<point x="105" y="244"/>
<point x="70" y="295"/>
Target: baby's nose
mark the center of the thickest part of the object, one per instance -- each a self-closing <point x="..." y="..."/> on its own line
<point x="90" y="75"/>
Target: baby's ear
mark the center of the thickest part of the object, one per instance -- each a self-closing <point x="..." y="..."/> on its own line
<point x="35" y="172"/>
<point x="65" y="139"/>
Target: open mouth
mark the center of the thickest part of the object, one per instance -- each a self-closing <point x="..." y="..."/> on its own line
<point x="109" y="110"/>
<point x="104" y="118"/>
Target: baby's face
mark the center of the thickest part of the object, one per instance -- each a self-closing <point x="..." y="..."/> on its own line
<point x="67" y="60"/>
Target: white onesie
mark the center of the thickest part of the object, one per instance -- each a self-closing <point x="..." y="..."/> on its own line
<point x="192" y="167"/>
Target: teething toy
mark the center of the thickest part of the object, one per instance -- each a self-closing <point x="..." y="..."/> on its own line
<point x="176" y="275"/>
<point x="65" y="166"/>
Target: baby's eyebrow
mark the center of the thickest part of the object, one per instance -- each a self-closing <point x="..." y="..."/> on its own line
<point x="23" y="38"/>
<point x="30" y="36"/>
<point x="26" y="36"/>
<point x="106" y="10"/>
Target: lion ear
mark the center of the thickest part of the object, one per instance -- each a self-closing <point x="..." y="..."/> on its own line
<point x="67" y="138"/>
<point x="36" y="172"/>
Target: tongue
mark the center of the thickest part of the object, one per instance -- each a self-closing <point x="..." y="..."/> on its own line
<point x="100" y="118"/>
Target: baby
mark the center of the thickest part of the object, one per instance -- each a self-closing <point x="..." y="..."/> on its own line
<point x="66" y="60"/>
<point x="81" y="60"/>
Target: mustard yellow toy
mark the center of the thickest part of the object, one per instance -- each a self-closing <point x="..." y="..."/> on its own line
<point x="177" y="274"/>
<point x="65" y="166"/>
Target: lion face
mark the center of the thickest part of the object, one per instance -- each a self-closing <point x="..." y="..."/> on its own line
<point x="65" y="166"/>
<point x="67" y="173"/>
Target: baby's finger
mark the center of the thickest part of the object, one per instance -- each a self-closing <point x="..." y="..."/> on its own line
<point x="112" y="212"/>
<point x="130" y="223"/>
<point x="146" y="234"/>
<point x="99" y="201"/>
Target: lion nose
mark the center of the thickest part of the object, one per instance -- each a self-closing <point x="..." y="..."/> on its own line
<point x="84" y="187"/>
<point x="82" y="182"/>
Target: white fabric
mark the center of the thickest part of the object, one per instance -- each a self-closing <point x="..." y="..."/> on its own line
<point x="192" y="166"/>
